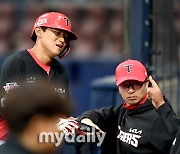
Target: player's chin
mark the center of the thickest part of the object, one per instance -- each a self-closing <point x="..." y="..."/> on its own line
<point x="132" y="102"/>
<point x="56" y="52"/>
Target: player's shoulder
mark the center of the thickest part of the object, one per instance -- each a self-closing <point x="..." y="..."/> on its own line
<point x="15" y="57"/>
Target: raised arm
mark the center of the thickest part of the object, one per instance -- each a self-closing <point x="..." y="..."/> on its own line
<point x="155" y="94"/>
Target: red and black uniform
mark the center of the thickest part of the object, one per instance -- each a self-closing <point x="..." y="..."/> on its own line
<point x="24" y="66"/>
<point x="133" y="131"/>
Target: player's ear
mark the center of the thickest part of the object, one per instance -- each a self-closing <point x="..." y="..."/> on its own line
<point x="38" y="31"/>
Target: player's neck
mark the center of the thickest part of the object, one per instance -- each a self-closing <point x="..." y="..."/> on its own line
<point x="41" y="55"/>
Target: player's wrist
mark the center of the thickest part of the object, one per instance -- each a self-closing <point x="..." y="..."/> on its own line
<point x="158" y="104"/>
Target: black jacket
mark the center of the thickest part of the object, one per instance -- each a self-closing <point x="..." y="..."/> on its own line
<point x="134" y="131"/>
<point x="175" y="149"/>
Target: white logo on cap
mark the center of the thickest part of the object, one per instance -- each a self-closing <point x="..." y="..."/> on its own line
<point x="40" y="22"/>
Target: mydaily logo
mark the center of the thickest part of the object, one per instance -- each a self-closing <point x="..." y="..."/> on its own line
<point x="56" y="137"/>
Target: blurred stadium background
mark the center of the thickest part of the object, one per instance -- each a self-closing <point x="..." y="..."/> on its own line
<point x="109" y="31"/>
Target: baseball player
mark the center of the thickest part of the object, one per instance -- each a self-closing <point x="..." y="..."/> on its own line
<point x="52" y="36"/>
<point x="135" y="126"/>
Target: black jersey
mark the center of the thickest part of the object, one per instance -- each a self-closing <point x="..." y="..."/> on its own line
<point x="136" y="131"/>
<point x="21" y="67"/>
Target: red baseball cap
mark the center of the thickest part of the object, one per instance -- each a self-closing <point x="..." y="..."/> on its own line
<point x="130" y="70"/>
<point x="54" y="20"/>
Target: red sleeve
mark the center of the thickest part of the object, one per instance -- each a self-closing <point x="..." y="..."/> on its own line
<point x="3" y="129"/>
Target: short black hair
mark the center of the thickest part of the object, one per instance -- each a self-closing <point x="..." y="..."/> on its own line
<point x="27" y="100"/>
<point x="44" y="28"/>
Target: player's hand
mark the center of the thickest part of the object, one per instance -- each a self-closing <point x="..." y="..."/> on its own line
<point x="155" y="94"/>
<point x="88" y="122"/>
<point x="69" y="126"/>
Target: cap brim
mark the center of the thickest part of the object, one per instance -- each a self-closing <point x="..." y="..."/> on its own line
<point x="72" y="35"/>
<point x="136" y="78"/>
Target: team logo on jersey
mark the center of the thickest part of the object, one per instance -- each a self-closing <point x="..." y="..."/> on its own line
<point x="60" y="90"/>
<point x="10" y="86"/>
<point x="135" y="131"/>
<point x="131" y="138"/>
<point x="31" y="79"/>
